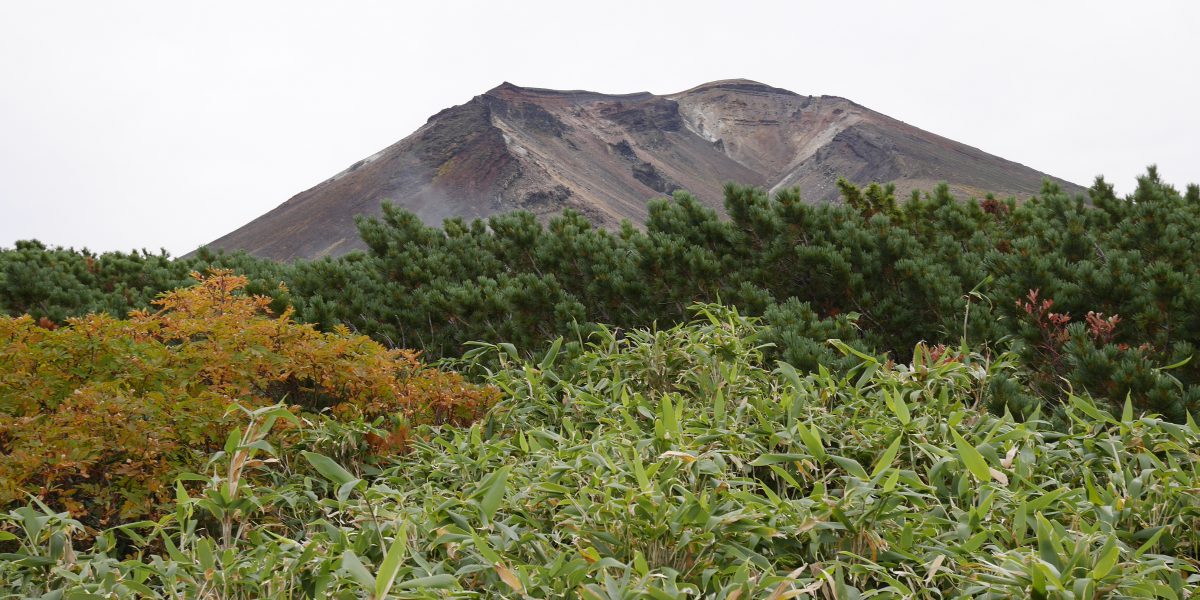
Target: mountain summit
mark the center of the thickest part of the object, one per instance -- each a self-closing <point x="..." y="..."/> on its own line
<point x="605" y="155"/>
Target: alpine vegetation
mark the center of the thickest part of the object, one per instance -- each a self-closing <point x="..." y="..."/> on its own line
<point x="664" y="463"/>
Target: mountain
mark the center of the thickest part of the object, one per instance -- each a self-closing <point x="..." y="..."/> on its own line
<point x="605" y="155"/>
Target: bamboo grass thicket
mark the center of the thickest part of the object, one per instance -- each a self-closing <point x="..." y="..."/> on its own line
<point x="681" y="463"/>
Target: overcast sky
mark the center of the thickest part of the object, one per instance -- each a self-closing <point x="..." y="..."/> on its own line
<point x="165" y="125"/>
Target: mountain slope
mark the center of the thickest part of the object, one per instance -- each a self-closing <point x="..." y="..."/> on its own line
<point x="606" y="155"/>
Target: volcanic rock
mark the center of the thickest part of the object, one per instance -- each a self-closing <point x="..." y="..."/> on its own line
<point x="605" y="155"/>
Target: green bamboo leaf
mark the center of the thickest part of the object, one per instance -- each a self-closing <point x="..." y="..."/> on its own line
<point x="281" y="411"/>
<point x="262" y="446"/>
<point x="850" y="466"/>
<point x="354" y="566"/>
<point x="847" y="349"/>
<point x="889" y="455"/>
<point x="172" y="549"/>
<point x="1048" y="547"/>
<point x="141" y="589"/>
<point x="344" y="490"/>
<point x="1176" y="365"/>
<point x="890" y="483"/>
<point x="784" y="475"/>
<point x="433" y="582"/>
<point x="485" y="550"/>
<point x="391" y="563"/>
<point x="639" y="470"/>
<point x="234" y="439"/>
<point x="867" y="374"/>
<point x="811" y="436"/>
<point x="510" y="349"/>
<point x="1084" y="587"/>
<point x="789" y="373"/>
<point x="666" y="412"/>
<point x="896" y="403"/>
<point x="494" y="494"/>
<point x="1047" y="499"/>
<point x="204" y="553"/>
<point x="1108" y="559"/>
<point x="328" y="468"/>
<point x="554" y="488"/>
<point x="1149" y="543"/>
<point x="774" y="459"/>
<point x="971" y="458"/>
<point x="323" y="578"/>
<point x="1087" y="407"/>
<point x="640" y="564"/>
<point x="551" y="354"/>
<point x="27" y="560"/>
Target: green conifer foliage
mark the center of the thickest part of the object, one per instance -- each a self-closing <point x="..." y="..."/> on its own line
<point x="1120" y="275"/>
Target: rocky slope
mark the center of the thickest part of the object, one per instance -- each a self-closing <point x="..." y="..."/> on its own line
<point x="606" y="155"/>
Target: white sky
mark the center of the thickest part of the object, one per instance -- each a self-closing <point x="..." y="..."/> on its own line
<point x="165" y="125"/>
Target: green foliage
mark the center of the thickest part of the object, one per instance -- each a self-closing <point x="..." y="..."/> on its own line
<point x="880" y="274"/>
<point x="57" y="283"/>
<point x="679" y="462"/>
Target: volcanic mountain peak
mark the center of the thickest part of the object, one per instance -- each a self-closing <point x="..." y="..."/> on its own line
<point x="605" y="155"/>
<point x="509" y="90"/>
<point x="737" y="85"/>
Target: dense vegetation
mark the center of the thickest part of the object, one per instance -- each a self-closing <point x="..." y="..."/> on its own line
<point x="676" y="463"/>
<point x="1116" y="281"/>
<point x="100" y="416"/>
<point x="925" y="398"/>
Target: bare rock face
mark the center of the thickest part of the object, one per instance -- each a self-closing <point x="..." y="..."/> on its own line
<point x="606" y="155"/>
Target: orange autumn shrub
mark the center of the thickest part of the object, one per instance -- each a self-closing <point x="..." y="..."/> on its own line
<point x="99" y="416"/>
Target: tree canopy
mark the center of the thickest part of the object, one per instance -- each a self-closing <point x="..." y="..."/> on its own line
<point x="1095" y="291"/>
